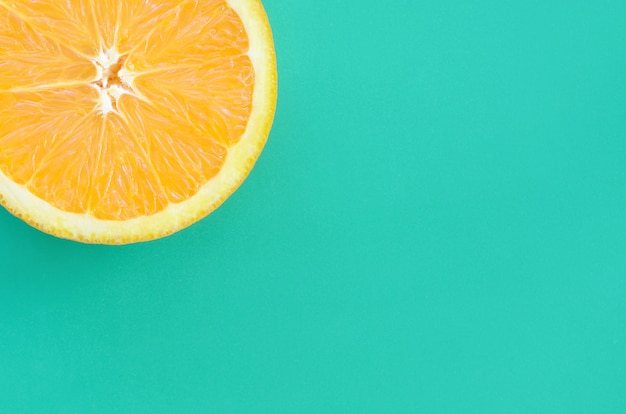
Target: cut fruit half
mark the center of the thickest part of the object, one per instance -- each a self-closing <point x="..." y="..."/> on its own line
<point x="127" y="120"/>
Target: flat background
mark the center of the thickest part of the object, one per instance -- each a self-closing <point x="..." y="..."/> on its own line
<point x="437" y="225"/>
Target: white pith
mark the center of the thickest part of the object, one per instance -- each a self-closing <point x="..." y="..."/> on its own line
<point x="108" y="95"/>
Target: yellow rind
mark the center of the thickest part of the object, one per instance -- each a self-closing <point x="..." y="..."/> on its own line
<point x="239" y="162"/>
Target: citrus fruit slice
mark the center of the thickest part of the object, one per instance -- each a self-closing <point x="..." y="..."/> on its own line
<point x="127" y="120"/>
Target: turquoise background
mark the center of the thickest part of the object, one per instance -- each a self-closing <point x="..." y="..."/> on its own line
<point x="437" y="225"/>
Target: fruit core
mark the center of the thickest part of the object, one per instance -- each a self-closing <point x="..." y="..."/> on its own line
<point x="113" y="80"/>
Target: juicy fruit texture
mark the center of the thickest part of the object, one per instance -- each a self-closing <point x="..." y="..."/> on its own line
<point x="113" y="113"/>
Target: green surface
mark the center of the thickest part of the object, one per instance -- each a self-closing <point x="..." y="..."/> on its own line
<point x="437" y="225"/>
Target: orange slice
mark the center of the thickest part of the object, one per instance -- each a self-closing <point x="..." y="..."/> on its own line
<point x="127" y="120"/>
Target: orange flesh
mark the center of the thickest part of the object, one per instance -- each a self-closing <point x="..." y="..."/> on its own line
<point x="129" y="136"/>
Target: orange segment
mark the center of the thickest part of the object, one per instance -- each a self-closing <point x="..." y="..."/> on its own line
<point x="192" y="32"/>
<point x="125" y="183"/>
<point x="128" y="120"/>
<point x="210" y="95"/>
<point x="35" y="125"/>
<point x="183" y="156"/>
<point x="69" y="23"/>
<point x="32" y="60"/>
